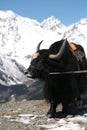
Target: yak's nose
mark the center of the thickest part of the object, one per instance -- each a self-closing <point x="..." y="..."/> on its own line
<point x="27" y="74"/>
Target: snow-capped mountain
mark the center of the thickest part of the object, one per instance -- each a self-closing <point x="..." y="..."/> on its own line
<point x="19" y="37"/>
<point x="78" y="33"/>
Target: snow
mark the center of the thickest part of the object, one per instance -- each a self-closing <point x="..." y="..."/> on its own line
<point x="22" y="120"/>
<point x="69" y="126"/>
<point x="9" y="72"/>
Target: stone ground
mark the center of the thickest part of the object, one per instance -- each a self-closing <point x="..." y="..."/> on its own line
<point x="31" y="115"/>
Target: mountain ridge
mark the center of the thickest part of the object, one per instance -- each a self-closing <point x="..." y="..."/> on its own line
<point x="19" y="37"/>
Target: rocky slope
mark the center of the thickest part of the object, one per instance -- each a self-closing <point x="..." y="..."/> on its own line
<point x="31" y="115"/>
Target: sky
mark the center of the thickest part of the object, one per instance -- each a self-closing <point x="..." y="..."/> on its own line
<point x="67" y="11"/>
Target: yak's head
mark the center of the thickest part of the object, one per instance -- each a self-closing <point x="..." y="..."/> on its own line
<point x="41" y="62"/>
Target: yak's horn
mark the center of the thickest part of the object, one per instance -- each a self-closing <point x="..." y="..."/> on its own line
<point x="38" y="46"/>
<point x="60" y="53"/>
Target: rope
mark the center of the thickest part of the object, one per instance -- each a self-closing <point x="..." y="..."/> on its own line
<point x="69" y="72"/>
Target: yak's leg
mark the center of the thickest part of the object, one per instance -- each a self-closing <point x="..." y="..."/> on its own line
<point x="65" y="108"/>
<point x="52" y="111"/>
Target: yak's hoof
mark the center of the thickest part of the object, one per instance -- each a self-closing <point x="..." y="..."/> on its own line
<point x="51" y="115"/>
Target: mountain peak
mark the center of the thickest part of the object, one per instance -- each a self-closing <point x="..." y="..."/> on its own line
<point x="52" y="23"/>
<point x="51" y="19"/>
<point x="7" y="13"/>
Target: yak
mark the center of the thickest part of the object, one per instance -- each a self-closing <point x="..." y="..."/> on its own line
<point x="59" y="88"/>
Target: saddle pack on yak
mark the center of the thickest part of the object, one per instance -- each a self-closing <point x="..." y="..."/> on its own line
<point x="76" y="52"/>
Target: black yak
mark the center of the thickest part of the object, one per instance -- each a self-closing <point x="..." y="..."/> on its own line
<point x="63" y="88"/>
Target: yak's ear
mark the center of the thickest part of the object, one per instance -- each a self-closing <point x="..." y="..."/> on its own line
<point x="38" y="46"/>
<point x="35" y="55"/>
